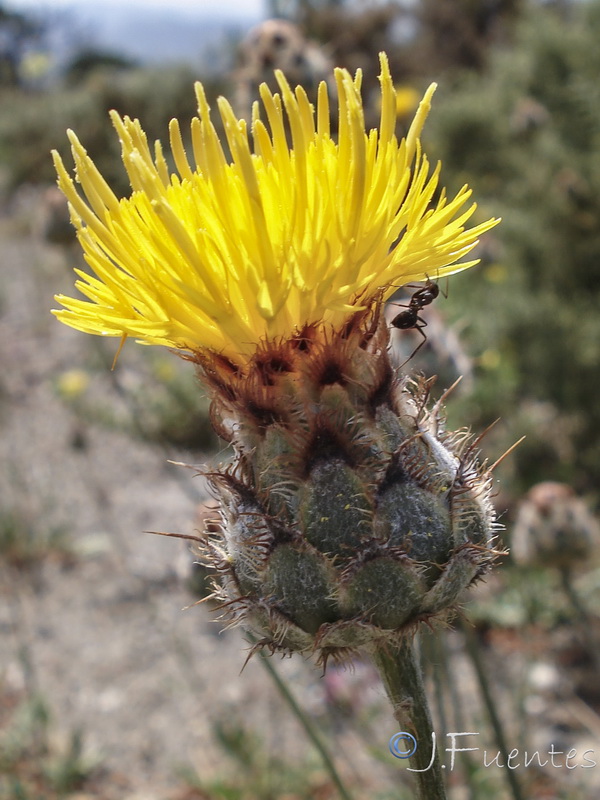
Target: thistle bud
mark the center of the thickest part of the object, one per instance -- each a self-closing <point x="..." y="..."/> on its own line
<point x="350" y="514"/>
<point x="554" y="528"/>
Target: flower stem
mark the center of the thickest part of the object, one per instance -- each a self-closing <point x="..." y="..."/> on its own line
<point x="305" y="722"/>
<point x="581" y="611"/>
<point x="587" y="627"/>
<point x="448" y="678"/>
<point x="401" y="677"/>
<point x="490" y="705"/>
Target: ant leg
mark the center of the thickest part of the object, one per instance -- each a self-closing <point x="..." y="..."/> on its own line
<point x="407" y="285"/>
<point x="420" y="345"/>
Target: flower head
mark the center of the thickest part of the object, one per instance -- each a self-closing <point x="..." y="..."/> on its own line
<point x="225" y="254"/>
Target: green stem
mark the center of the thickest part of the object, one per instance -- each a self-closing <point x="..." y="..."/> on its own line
<point x="586" y="622"/>
<point x="434" y="656"/>
<point x="447" y="677"/>
<point x="305" y="722"/>
<point x="401" y="677"/>
<point x="574" y="599"/>
<point x="488" y="700"/>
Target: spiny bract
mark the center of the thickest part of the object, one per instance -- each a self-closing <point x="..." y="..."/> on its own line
<point x="349" y="514"/>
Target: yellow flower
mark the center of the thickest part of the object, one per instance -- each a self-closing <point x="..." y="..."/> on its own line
<point x="72" y="383"/>
<point x="225" y="254"/>
<point x="407" y="99"/>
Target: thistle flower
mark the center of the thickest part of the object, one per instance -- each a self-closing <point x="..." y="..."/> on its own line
<point x="223" y="255"/>
<point x="349" y="514"/>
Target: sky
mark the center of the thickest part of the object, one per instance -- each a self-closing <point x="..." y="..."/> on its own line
<point x="221" y="8"/>
<point x="195" y="32"/>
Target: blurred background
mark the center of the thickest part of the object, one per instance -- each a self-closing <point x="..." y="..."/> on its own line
<point x="107" y="688"/>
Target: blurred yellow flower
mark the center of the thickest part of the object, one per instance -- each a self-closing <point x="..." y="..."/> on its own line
<point x="407" y="99"/>
<point x="490" y="359"/>
<point x="72" y="383"/>
<point x="224" y="254"/>
<point x="497" y="273"/>
<point x="164" y="370"/>
<point x="35" y="65"/>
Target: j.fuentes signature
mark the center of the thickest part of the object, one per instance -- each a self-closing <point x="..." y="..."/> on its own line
<point x="404" y="745"/>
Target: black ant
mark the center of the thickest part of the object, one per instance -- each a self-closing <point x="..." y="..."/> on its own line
<point x="409" y="318"/>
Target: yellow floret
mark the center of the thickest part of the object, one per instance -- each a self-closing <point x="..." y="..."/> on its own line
<point x="224" y="254"/>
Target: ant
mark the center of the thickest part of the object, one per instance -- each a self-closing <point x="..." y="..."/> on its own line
<point x="409" y="318"/>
